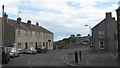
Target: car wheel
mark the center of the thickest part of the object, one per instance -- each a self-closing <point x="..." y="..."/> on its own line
<point x="18" y="55"/>
<point x="9" y="59"/>
<point x="14" y="56"/>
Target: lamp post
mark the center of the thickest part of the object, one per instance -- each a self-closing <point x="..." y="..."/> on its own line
<point x="90" y="34"/>
<point x="89" y="29"/>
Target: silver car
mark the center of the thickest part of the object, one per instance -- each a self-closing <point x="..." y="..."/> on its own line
<point x="30" y="50"/>
<point x="14" y="52"/>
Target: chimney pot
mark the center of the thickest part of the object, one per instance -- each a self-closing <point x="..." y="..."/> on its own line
<point x="29" y="22"/>
<point x="18" y="20"/>
<point x="108" y="14"/>
<point x="5" y="16"/>
<point x="37" y="23"/>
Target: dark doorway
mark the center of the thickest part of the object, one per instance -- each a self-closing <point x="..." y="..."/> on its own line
<point x="26" y="45"/>
<point x="47" y="45"/>
<point x="35" y="44"/>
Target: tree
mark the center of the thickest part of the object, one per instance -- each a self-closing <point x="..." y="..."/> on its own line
<point x="78" y="35"/>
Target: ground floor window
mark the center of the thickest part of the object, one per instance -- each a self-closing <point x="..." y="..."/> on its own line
<point x="19" y="45"/>
<point x="40" y="44"/>
<point x="44" y="44"/>
<point x="101" y="44"/>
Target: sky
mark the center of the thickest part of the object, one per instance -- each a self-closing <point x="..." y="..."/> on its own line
<point x="62" y="17"/>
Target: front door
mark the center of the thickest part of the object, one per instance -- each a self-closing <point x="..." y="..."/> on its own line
<point x="26" y="45"/>
<point x="36" y="45"/>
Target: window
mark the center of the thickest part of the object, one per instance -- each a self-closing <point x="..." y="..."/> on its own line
<point x="26" y="33"/>
<point x="40" y="44"/>
<point x="101" y="44"/>
<point x="44" y="34"/>
<point x="36" y="34"/>
<point x="19" y="45"/>
<point x="43" y="43"/>
<point x="30" y="33"/>
<point x="18" y="33"/>
<point x="101" y="34"/>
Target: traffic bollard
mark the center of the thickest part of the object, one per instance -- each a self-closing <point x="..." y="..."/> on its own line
<point x="76" y="56"/>
<point x="80" y="55"/>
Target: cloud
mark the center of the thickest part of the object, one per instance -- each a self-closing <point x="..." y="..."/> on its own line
<point x="62" y="16"/>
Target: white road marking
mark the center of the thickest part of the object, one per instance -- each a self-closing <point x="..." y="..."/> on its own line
<point x="29" y="63"/>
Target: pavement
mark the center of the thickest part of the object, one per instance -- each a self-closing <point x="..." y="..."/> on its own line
<point x="93" y="59"/>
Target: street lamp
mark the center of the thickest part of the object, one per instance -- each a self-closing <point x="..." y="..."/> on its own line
<point x="90" y="34"/>
<point x="89" y="29"/>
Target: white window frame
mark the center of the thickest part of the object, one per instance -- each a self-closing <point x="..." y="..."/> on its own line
<point x="101" y="34"/>
<point x="30" y="33"/>
<point x="100" y="45"/>
<point x="26" y="33"/>
<point x="18" y="33"/>
<point x="19" y="45"/>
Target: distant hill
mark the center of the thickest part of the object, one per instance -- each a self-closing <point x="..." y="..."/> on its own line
<point x="71" y="41"/>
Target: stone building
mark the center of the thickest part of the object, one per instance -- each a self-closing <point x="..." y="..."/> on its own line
<point x="22" y="35"/>
<point x="104" y="35"/>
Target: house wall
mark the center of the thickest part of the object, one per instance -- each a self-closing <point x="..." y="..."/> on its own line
<point x="112" y="28"/>
<point x="9" y="38"/>
<point x="9" y="35"/>
<point x="109" y="26"/>
<point x="35" y="39"/>
<point x="95" y="36"/>
<point x="32" y="40"/>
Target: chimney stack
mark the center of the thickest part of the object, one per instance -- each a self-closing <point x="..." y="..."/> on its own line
<point x="19" y="20"/>
<point x="5" y="16"/>
<point x="37" y="24"/>
<point x="29" y="22"/>
<point x="108" y="14"/>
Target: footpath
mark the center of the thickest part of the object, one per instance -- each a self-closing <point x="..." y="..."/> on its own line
<point x="92" y="59"/>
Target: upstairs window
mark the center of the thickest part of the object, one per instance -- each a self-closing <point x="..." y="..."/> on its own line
<point x="30" y="33"/>
<point x="26" y="33"/>
<point x="18" y="33"/>
<point x="101" y="34"/>
<point x="19" y="45"/>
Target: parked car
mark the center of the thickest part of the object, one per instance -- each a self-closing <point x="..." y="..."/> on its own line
<point x="41" y="50"/>
<point x="30" y="50"/>
<point x="13" y="52"/>
<point x="20" y="50"/>
<point x="4" y="52"/>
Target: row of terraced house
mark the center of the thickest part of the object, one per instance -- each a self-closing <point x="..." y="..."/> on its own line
<point x="22" y="35"/>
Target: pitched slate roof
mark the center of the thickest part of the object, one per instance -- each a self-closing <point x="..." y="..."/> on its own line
<point x="25" y="26"/>
<point x="103" y="21"/>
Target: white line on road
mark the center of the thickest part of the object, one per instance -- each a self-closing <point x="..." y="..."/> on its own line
<point x="29" y="63"/>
